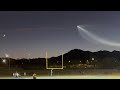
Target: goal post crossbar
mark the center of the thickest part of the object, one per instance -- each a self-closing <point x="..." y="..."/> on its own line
<point x="52" y="68"/>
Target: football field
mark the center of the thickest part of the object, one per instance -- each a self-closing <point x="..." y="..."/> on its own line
<point x="68" y="77"/>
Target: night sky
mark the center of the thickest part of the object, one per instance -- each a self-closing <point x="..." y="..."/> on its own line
<point x="29" y="34"/>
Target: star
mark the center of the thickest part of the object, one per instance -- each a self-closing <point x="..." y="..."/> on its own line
<point x="4" y="35"/>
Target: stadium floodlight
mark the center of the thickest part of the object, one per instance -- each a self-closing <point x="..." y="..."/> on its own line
<point x="4" y="61"/>
<point x="50" y="67"/>
<point x="92" y="58"/>
<point x="6" y="55"/>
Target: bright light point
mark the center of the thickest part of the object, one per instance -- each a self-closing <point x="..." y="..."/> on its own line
<point x="4" y="61"/>
<point x="80" y="61"/>
<point x="69" y="61"/>
<point x="4" y="35"/>
<point x="92" y="58"/>
<point x="78" y="26"/>
<point x="95" y="38"/>
<point x="6" y="55"/>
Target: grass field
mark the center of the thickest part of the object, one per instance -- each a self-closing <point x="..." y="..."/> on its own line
<point x="64" y="74"/>
<point x="68" y="77"/>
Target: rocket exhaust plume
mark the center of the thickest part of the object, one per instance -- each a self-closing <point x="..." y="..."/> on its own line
<point x="96" y="39"/>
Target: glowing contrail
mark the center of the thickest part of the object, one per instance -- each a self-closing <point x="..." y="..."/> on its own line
<point x="98" y="39"/>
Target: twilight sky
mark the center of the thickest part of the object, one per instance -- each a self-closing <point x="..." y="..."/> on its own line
<point x="29" y="34"/>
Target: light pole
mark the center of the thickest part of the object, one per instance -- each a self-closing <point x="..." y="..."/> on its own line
<point x="29" y="57"/>
<point x="93" y="59"/>
<point x="4" y="61"/>
<point x="7" y="56"/>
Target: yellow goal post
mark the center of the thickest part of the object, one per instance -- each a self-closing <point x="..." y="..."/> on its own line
<point x="50" y="67"/>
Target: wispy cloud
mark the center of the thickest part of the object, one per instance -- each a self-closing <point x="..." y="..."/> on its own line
<point x="30" y="29"/>
<point x="98" y="39"/>
<point x="40" y="28"/>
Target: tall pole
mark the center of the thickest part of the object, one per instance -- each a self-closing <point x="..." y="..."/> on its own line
<point x="6" y="55"/>
<point x="51" y="72"/>
<point x="46" y="61"/>
<point x="62" y="61"/>
<point x="9" y="66"/>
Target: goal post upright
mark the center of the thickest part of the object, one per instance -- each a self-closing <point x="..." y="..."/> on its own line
<point x="52" y="68"/>
<point x="46" y="61"/>
<point x="62" y="60"/>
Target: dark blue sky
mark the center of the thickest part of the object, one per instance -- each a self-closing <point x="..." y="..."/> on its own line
<point x="35" y="32"/>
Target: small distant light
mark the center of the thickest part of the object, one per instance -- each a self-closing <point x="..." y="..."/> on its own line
<point x="92" y="58"/>
<point x="69" y="61"/>
<point x="6" y="55"/>
<point x="4" y="35"/>
<point x="4" y="61"/>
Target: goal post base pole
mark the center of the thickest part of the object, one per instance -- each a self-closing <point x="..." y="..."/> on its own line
<point x="53" y="68"/>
